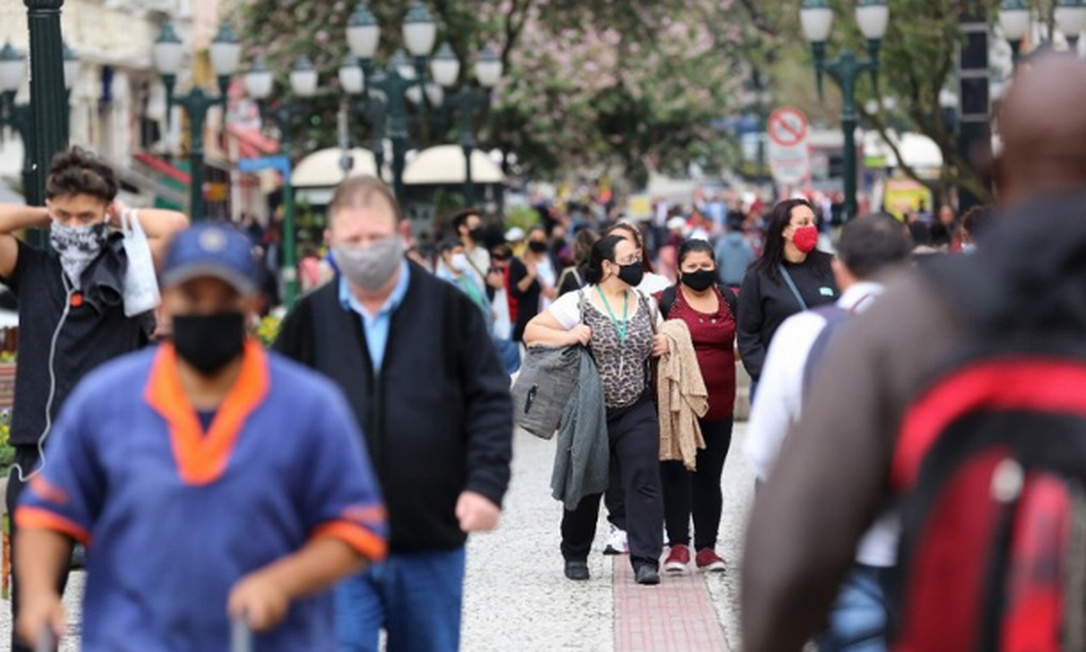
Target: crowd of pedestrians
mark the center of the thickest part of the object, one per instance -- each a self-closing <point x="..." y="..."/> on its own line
<point x="321" y="492"/>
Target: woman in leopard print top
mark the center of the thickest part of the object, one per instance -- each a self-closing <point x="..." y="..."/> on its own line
<point x="618" y="325"/>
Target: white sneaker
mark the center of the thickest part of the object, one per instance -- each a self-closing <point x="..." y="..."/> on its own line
<point x="616" y="543"/>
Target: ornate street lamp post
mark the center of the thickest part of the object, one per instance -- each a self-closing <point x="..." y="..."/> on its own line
<point x="13" y="68"/>
<point x="363" y="36"/>
<point x="259" y="84"/>
<point x="225" y="56"/>
<point x="48" y="123"/>
<point x="1014" y="19"/>
<point x="488" y="70"/>
<point x="873" y="17"/>
<point x="352" y="79"/>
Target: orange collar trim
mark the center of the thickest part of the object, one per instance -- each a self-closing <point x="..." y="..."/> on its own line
<point x="202" y="459"/>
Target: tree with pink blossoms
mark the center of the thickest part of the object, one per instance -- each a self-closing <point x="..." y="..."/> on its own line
<point x="625" y="85"/>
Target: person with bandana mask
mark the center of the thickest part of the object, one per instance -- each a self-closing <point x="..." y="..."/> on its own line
<point x="790" y="276"/>
<point x="70" y="300"/>
<point x="618" y="325"/>
<point x="416" y="361"/>
<point x="708" y="309"/>
<point x="257" y="461"/>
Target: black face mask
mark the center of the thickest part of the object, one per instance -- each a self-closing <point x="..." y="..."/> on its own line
<point x="538" y="247"/>
<point x="209" y="342"/>
<point x="477" y="234"/>
<point x="631" y="274"/>
<point x="700" y="280"/>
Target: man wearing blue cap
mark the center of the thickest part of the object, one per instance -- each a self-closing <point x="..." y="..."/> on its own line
<point x="210" y="480"/>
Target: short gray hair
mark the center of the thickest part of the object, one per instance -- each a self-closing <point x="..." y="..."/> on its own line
<point x="360" y="191"/>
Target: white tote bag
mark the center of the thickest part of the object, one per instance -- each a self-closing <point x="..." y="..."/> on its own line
<point x="140" y="281"/>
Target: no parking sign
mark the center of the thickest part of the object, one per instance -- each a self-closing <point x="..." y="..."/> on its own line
<point x="789" y="154"/>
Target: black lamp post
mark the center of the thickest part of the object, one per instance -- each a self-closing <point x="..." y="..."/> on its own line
<point x="873" y="18"/>
<point x="13" y="68"/>
<point x="363" y="36"/>
<point x="16" y="116"/>
<point x="488" y="70"/>
<point x="259" y="83"/>
<point x="428" y="125"/>
<point x="1014" y="19"/>
<point x="48" y="122"/>
<point x="225" y="54"/>
<point x="352" y="79"/>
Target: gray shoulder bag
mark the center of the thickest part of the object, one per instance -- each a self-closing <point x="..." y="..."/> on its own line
<point x="545" y="384"/>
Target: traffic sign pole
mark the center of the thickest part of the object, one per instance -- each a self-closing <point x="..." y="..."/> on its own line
<point x="789" y="153"/>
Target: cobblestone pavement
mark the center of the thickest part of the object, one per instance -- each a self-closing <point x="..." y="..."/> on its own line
<point x="516" y="598"/>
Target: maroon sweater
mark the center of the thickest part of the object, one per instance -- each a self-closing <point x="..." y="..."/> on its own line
<point x="714" y="344"/>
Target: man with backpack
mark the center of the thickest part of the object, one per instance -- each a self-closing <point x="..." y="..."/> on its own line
<point x="874" y="423"/>
<point x="413" y="355"/>
<point x="870" y="246"/>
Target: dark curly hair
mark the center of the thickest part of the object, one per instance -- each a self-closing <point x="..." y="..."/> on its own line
<point x="80" y="172"/>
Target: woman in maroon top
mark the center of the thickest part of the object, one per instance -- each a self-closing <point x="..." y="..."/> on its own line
<point x="709" y="312"/>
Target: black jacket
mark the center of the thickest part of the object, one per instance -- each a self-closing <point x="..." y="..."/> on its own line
<point x="94" y="331"/>
<point x="437" y="418"/>
<point x="527" y="301"/>
<point x="764" y="304"/>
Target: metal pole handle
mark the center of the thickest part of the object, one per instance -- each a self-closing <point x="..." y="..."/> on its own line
<point x="241" y="637"/>
<point x="47" y="642"/>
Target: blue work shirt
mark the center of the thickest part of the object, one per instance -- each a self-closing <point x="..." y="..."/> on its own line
<point x="282" y="464"/>
<point x="376" y="327"/>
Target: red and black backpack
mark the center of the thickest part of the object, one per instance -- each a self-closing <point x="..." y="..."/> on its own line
<point x="991" y="466"/>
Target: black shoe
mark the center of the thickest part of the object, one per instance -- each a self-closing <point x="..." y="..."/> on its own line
<point x="647" y="575"/>
<point x="576" y="570"/>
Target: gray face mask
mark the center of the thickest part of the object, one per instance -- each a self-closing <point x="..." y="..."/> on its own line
<point x="372" y="267"/>
<point x="77" y="247"/>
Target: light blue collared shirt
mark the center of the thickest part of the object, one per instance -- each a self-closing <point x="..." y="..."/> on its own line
<point x="376" y="327"/>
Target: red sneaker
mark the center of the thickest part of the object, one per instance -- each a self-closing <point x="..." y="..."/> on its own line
<point x="678" y="559"/>
<point x="708" y="560"/>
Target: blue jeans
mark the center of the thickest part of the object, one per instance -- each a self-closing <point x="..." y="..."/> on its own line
<point x="859" y="618"/>
<point x="415" y="597"/>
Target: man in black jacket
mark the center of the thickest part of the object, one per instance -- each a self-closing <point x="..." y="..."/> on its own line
<point x="414" y="357"/>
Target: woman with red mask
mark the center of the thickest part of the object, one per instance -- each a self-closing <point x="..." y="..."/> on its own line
<point x="789" y="277"/>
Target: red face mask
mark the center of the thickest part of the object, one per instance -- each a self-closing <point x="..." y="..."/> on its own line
<point x="805" y="238"/>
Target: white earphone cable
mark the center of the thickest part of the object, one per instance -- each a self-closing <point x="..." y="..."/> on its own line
<point x="23" y="476"/>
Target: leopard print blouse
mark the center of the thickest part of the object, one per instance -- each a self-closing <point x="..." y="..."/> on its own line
<point x="621" y="364"/>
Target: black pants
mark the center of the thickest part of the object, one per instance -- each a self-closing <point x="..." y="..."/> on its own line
<point x="27" y="458"/>
<point x="614" y="499"/>
<point x="697" y="493"/>
<point x="635" y="443"/>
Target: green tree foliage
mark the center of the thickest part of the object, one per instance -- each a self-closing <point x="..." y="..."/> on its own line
<point x="632" y="83"/>
<point x="918" y="62"/>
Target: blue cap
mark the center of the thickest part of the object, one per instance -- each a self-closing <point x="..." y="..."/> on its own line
<point x="214" y="249"/>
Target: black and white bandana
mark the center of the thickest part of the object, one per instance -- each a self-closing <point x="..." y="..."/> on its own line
<point x="77" y="247"/>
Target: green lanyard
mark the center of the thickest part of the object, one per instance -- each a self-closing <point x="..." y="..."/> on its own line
<point x="625" y="307"/>
<point x="472" y="291"/>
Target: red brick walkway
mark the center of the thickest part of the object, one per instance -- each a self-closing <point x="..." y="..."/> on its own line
<point x="676" y="615"/>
